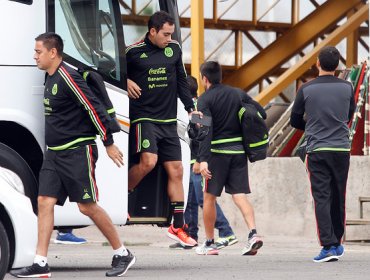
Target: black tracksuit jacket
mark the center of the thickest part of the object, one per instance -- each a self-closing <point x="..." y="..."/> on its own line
<point x="223" y="103"/>
<point x="73" y="114"/>
<point x="161" y="75"/>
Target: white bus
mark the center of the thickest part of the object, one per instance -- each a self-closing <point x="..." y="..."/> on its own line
<point x="93" y="35"/>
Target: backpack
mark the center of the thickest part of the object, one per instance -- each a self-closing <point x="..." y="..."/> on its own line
<point x="254" y="132"/>
<point x="96" y="83"/>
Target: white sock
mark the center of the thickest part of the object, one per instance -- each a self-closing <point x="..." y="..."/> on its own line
<point x="40" y="260"/>
<point x="121" y="251"/>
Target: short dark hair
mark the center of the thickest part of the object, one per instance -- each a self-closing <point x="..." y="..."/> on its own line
<point x="193" y="86"/>
<point x="329" y="58"/>
<point x="158" y="19"/>
<point x="212" y="71"/>
<point x="51" y="40"/>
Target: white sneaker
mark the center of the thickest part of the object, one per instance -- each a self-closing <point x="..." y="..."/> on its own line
<point x="207" y="250"/>
<point x="253" y="244"/>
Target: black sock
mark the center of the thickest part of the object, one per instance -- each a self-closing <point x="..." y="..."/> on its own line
<point x="209" y="242"/>
<point x="178" y="214"/>
<point x="253" y="231"/>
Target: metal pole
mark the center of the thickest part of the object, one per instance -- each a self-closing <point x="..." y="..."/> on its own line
<point x="295" y="12"/>
<point x="197" y="39"/>
<point x="238" y="48"/>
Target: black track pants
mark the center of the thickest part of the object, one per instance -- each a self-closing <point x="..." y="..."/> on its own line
<point x="328" y="173"/>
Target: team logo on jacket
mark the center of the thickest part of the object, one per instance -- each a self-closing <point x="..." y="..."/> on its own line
<point x="145" y="144"/>
<point x="54" y="90"/>
<point x="168" y="52"/>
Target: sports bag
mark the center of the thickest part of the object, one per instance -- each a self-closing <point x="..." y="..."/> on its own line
<point x="96" y="83"/>
<point x="254" y="132"/>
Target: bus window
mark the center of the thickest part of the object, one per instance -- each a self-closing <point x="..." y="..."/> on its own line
<point x="135" y="32"/>
<point x="92" y="35"/>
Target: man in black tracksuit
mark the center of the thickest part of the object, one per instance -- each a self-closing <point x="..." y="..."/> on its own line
<point x="73" y="117"/>
<point x="156" y="77"/>
<point x="222" y="158"/>
<point x="323" y="108"/>
<point x="195" y="194"/>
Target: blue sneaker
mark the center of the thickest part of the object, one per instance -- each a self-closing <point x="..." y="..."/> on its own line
<point x="68" y="238"/>
<point x="326" y="255"/>
<point x="340" y="250"/>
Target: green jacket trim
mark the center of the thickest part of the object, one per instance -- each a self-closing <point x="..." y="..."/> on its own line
<point x="227" y="152"/>
<point x="110" y="111"/>
<point x="257" y="144"/>
<point x="154" y="120"/>
<point x="228" y="140"/>
<point x="70" y="144"/>
<point x="332" y="149"/>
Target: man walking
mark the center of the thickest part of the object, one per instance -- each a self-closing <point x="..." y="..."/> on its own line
<point x="323" y="108"/>
<point x="156" y="78"/>
<point x="222" y="157"/>
<point x="195" y="194"/>
<point x="73" y="116"/>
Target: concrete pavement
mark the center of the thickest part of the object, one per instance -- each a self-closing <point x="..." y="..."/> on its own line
<point x="281" y="257"/>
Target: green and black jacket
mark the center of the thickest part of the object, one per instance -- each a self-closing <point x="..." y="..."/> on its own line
<point x="73" y="114"/>
<point x="222" y="103"/>
<point x="161" y="75"/>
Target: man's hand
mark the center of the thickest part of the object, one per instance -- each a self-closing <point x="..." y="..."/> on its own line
<point x="115" y="154"/>
<point x="133" y="90"/>
<point x="196" y="167"/>
<point x="195" y="113"/>
<point x="204" y="170"/>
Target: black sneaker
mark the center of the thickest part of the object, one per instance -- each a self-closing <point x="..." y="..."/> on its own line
<point x="120" y="264"/>
<point x="33" y="271"/>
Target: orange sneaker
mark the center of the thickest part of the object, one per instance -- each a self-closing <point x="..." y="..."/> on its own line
<point x="181" y="236"/>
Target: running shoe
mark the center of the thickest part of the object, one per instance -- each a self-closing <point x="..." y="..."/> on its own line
<point x="181" y="236"/>
<point x="254" y="243"/>
<point x="120" y="264"/>
<point x="207" y="250"/>
<point x="68" y="238"/>
<point x="33" y="271"/>
<point x="326" y="255"/>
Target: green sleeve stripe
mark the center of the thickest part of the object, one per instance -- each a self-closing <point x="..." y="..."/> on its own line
<point x="85" y="74"/>
<point x="110" y="111"/>
<point x="240" y="113"/>
<point x="257" y="144"/>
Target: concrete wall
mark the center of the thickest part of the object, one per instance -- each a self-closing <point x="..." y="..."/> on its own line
<point x="282" y="199"/>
